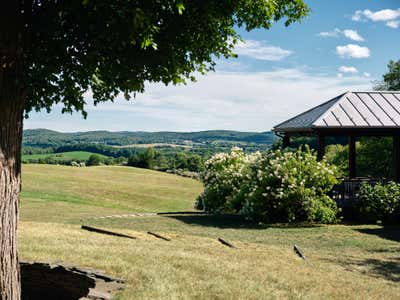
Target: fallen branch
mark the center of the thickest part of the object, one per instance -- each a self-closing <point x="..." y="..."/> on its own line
<point x="299" y="252"/>
<point x="226" y="243"/>
<point x="158" y="236"/>
<point x="98" y="230"/>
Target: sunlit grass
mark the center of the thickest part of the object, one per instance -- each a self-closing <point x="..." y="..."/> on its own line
<point x="70" y="193"/>
<point x="343" y="262"/>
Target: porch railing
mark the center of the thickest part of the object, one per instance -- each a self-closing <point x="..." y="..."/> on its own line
<point x="346" y="192"/>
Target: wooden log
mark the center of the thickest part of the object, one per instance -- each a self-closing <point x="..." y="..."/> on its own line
<point x="226" y="243"/>
<point x="159" y="236"/>
<point x="299" y="252"/>
<point x="98" y="230"/>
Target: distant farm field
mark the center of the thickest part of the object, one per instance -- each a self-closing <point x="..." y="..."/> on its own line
<point x="62" y="156"/>
<point x="155" y="145"/>
<point x="343" y="261"/>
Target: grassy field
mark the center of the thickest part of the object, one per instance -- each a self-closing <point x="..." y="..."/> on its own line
<point x="62" y="156"/>
<point x="343" y="262"/>
<point x="64" y="194"/>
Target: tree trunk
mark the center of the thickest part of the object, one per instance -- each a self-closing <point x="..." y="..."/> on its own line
<point x="10" y="186"/>
<point x="11" y="116"/>
<point x="12" y="98"/>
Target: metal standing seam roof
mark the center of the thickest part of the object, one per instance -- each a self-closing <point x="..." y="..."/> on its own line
<point x="372" y="109"/>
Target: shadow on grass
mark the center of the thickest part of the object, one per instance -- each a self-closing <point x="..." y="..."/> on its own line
<point x="388" y="233"/>
<point x="231" y="221"/>
<point x="384" y="269"/>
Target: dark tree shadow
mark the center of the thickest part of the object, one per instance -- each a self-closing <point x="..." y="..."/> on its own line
<point x="387" y="250"/>
<point x="388" y="269"/>
<point x="42" y="282"/>
<point x="231" y="221"/>
<point x="388" y="233"/>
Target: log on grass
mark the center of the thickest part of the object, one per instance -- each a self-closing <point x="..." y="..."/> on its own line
<point x="226" y="243"/>
<point x="158" y="236"/>
<point x="98" y="230"/>
<point x="299" y="252"/>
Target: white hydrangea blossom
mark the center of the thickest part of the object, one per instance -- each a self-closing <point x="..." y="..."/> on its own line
<point x="258" y="182"/>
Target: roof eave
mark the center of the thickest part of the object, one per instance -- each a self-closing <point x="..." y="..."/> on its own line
<point x="292" y="130"/>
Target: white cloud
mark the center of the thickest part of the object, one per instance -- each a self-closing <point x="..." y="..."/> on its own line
<point x="366" y="74"/>
<point x="382" y="15"/>
<point x="393" y="24"/>
<point x="348" y="33"/>
<point x="352" y="51"/>
<point x="333" y="33"/>
<point x="389" y="16"/>
<point x="348" y="69"/>
<point x="261" y="50"/>
<point x="357" y="16"/>
<point x="253" y="101"/>
<point x="353" y="35"/>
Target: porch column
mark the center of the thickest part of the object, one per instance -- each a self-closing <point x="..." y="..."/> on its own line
<point x="286" y="141"/>
<point x="352" y="157"/>
<point x="396" y="157"/>
<point x="320" y="146"/>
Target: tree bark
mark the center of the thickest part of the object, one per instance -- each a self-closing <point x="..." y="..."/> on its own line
<point x="11" y="116"/>
<point x="12" y="98"/>
<point x="10" y="185"/>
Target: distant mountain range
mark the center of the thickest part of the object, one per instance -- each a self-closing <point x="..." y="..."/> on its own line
<point x="48" y="138"/>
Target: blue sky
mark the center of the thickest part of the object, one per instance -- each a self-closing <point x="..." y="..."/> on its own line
<point x="343" y="45"/>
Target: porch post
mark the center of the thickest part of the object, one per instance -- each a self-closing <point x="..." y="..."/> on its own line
<point x="286" y="141"/>
<point x="320" y="146"/>
<point x="396" y="157"/>
<point x="352" y="157"/>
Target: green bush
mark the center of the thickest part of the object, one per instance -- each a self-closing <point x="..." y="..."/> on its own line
<point x="279" y="186"/>
<point x="374" y="157"/>
<point x="379" y="203"/>
<point x="338" y="155"/>
<point x="143" y="159"/>
<point x="94" y="160"/>
<point x="287" y="186"/>
<point x="223" y="175"/>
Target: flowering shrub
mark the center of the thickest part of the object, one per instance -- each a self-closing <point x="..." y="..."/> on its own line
<point x="223" y="175"/>
<point x="277" y="186"/>
<point x="380" y="202"/>
<point x="290" y="187"/>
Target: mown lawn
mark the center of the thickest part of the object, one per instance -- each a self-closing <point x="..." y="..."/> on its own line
<point x="343" y="262"/>
<point x="64" y="194"/>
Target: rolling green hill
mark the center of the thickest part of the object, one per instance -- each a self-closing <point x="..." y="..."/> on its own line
<point x="89" y="192"/>
<point x="47" y="138"/>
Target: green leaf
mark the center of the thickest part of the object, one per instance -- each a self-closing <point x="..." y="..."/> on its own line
<point x="181" y="7"/>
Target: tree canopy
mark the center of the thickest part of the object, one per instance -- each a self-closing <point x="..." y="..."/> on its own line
<point x="57" y="51"/>
<point x="391" y="79"/>
<point x="115" y="46"/>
